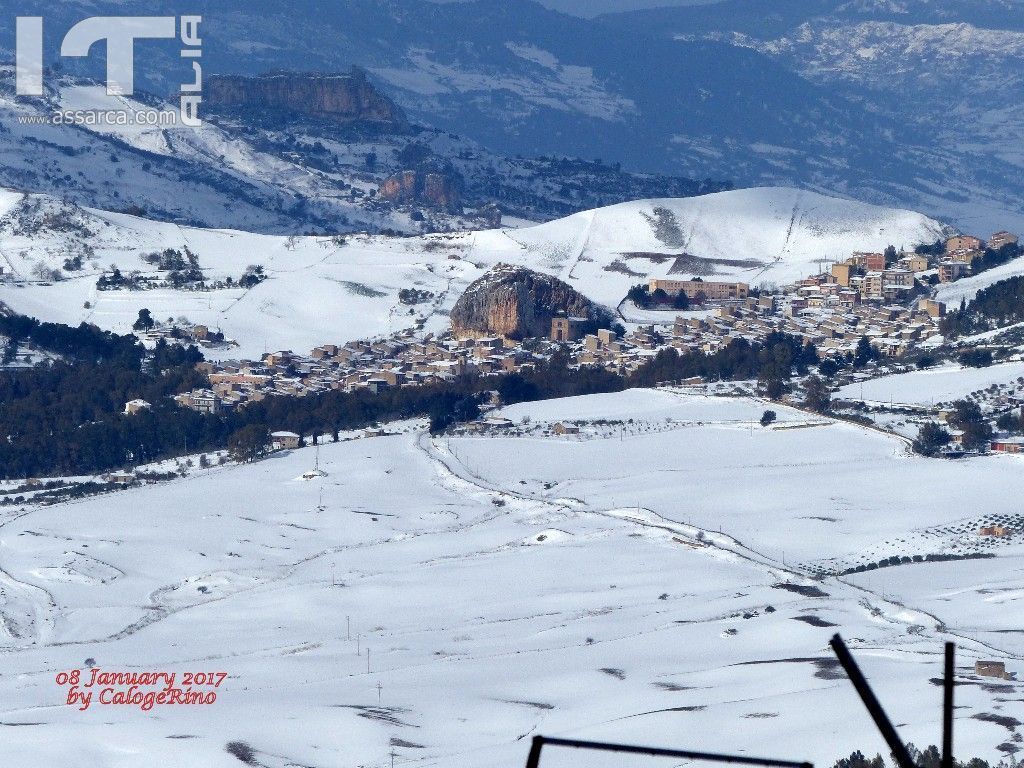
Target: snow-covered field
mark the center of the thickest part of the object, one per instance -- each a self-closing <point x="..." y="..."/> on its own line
<point x="323" y="290"/>
<point x="641" y="584"/>
<point x="931" y="386"/>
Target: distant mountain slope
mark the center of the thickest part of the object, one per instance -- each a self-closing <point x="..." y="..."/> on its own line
<point x="522" y="79"/>
<point x="907" y="103"/>
<point x="756" y="18"/>
<point x="950" y="71"/>
<point x="194" y="176"/>
<point x="323" y="289"/>
<point x="270" y="170"/>
<point x="910" y="103"/>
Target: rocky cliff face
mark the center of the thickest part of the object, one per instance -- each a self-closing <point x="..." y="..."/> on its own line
<point x="344" y="99"/>
<point x="433" y="188"/>
<point x="518" y="302"/>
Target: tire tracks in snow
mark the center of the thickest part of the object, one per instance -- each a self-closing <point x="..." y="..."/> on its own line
<point x="881" y="607"/>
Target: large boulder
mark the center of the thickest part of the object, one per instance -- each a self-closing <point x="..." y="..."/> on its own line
<point x="517" y="302"/>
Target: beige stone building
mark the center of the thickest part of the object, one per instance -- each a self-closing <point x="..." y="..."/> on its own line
<point x="963" y="243"/>
<point x="567" y="328"/>
<point x="713" y="291"/>
<point x="990" y="669"/>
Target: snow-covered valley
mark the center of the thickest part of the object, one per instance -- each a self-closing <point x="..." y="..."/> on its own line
<point x="656" y="597"/>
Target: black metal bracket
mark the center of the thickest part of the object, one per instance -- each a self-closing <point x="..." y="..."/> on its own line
<point x="533" y="761"/>
<point x="947" y="706"/>
<point x="874" y="707"/>
<point x="896" y="745"/>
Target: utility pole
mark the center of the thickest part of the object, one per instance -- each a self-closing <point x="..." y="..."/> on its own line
<point x="379" y="687"/>
<point x="367" y="660"/>
<point x="348" y="627"/>
<point x="358" y="648"/>
<point x="947" y="706"/>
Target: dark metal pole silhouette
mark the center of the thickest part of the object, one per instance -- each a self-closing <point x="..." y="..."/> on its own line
<point x="896" y="746"/>
<point x="947" y="707"/>
<point x="533" y="761"/>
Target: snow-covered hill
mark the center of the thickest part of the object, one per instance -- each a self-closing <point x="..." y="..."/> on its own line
<point x="931" y="386"/>
<point x="761" y="235"/>
<point x="658" y="596"/>
<point x="324" y="289"/>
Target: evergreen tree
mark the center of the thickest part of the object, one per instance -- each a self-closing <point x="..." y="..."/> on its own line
<point x="248" y="443"/>
<point x="930" y="439"/>
<point x="817" y="396"/>
<point x="864" y="353"/>
<point x="145" y="320"/>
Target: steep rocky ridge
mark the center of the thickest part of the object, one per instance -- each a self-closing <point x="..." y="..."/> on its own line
<point x="347" y="98"/>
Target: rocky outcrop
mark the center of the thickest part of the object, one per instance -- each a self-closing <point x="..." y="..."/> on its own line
<point x="490" y="214"/>
<point x="517" y="302"/>
<point x="344" y="99"/>
<point x="434" y="188"/>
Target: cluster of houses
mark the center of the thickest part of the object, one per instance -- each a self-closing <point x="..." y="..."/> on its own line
<point x="873" y="277"/>
<point x="892" y="330"/>
<point x="897" y="279"/>
<point x="182" y="331"/>
<point x="863" y="296"/>
<point x="400" y="360"/>
<point x="403" y="360"/>
<point x="866" y="295"/>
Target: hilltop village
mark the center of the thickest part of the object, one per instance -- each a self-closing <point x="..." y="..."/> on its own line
<point x="883" y="297"/>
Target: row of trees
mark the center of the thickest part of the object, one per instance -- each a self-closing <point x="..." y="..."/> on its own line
<point x="777" y="358"/>
<point x="642" y="296"/>
<point x="86" y="343"/>
<point x="190" y="277"/>
<point x="996" y="306"/>
<point x="930" y="757"/>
